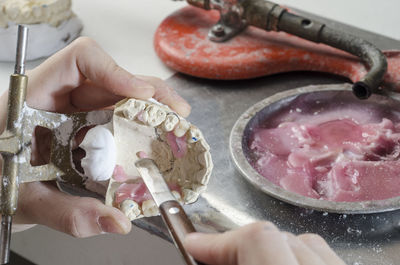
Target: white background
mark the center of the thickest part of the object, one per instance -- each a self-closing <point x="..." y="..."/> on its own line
<point x="124" y="28"/>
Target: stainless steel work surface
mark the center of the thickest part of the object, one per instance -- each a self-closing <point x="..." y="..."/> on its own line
<point x="230" y="201"/>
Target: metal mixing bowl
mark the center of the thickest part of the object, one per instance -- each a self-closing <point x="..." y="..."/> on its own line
<point x="330" y="94"/>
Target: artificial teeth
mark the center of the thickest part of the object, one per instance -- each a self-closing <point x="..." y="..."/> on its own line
<point x="153" y="115"/>
<point x="171" y="120"/>
<point x="177" y="195"/>
<point x="149" y="208"/>
<point x="132" y="107"/>
<point x="194" y="135"/>
<point x="146" y="129"/>
<point x="130" y="209"/>
<point x="182" y="128"/>
<point x="189" y="196"/>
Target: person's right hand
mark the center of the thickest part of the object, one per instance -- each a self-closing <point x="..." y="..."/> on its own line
<point x="260" y="244"/>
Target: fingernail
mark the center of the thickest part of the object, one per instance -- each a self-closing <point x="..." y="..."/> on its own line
<point x="110" y="225"/>
<point x="192" y="236"/>
<point x="315" y="239"/>
<point x="141" y="84"/>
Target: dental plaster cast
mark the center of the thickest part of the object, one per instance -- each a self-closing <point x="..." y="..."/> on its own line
<point x="348" y="153"/>
<point x="99" y="161"/>
<point x="52" y="25"/>
<point x="147" y="129"/>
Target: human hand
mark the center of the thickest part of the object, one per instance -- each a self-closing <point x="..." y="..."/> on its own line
<point x="80" y="77"/>
<point x="260" y="243"/>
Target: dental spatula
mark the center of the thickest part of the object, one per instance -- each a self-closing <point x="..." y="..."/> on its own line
<point x="174" y="216"/>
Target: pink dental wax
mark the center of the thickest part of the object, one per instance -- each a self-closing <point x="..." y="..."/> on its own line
<point x="338" y="155"/>
<point x="178" y="144"/>
<point x="137" y="191"/>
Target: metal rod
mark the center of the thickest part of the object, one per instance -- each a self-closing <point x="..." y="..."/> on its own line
<point x="5" y="237"/>
<point x="21" y="50"/>
<point x="9" y="184"/>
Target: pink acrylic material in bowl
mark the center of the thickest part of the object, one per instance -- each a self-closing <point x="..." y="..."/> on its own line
<point x="285" y="172"/>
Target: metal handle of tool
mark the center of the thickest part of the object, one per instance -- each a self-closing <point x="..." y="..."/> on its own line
<point x="179" y="226"/>
<point x="13" y="131"/>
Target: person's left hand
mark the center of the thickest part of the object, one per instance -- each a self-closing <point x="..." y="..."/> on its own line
<point x="80" y="77"/>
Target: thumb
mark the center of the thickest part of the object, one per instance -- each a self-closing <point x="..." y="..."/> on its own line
<point x="213" y="249"/>
<point x="256" y="243"/>
<point x="41" y="203"/>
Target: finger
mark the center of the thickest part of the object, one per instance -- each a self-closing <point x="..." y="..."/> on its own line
<point x="220" y="248"/>
<point x="213" y="249"/>
<point x="304" y="255"/>
<point x="51" y="82"/>
<point x="80" y="217"/>
<point x="268" y="246"/>
<point x="259" y="243"/>
<point x="167" y="95"/>
<point x="97" y="66"/>
<point x="89" y="96"/>
<point x="321" y="248"/>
